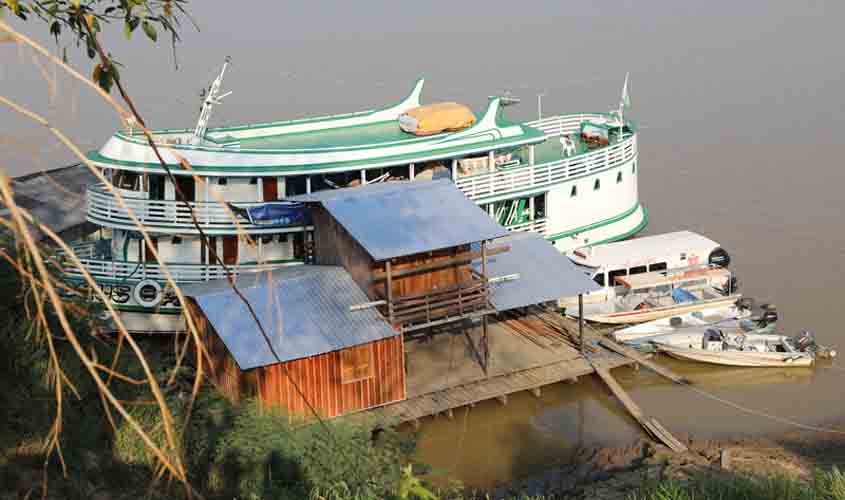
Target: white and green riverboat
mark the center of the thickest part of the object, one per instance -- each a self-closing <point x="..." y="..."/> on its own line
<point x="550" y="176"/>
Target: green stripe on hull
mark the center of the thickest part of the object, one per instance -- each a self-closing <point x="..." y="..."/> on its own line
<point x="596" y="225"/>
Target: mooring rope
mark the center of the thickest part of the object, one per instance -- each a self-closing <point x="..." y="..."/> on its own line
<point x="759" y="413"/>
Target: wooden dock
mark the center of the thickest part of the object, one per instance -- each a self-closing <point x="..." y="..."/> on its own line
<point x="527" y="352"/>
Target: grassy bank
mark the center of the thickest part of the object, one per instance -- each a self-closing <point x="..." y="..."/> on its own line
<point x="826" y="485"/>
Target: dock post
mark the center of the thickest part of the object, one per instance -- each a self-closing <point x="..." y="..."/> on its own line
<point x="389" y="294"/>
<point x="581" y="321"/>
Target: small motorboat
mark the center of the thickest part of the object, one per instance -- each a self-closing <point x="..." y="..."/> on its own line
<point x="747" y="350"/>
<point x="662" y="294"/>
<point x="735" y="319"/>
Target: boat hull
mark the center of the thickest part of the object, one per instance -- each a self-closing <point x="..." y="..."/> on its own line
<point x="641" y="316"/>
<point x="749" y="359"/>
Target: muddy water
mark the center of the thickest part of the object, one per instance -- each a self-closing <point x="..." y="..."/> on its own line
<point x="742" y="121"/>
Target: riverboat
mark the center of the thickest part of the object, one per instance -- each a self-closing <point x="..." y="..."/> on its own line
<point x="571" y="178"/>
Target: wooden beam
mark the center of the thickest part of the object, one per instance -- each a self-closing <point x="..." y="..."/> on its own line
<point x="650" y="424"/>
<point x="461" y="258"/>
<point x="537" y="392"/>
<point x="503" y="399"/>
<point x="389" y="293"/>
<point x="449" y="414"/>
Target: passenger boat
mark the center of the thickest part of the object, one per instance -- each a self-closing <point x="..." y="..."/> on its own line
<point x="662" y="294"/>
<point x="571" y="178"/>
<point x="606" y="262"/>
<point x="751" y="350"/>
<point x="733" y="318"/>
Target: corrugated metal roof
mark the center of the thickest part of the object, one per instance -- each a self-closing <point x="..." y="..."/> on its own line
<point x="544" y="273"/>
<point x="393" y="219"/>
<point x="55" y="197"/>
<point x="304" y="310"/>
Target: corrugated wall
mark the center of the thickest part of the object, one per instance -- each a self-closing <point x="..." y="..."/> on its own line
<point x="318" y="377"/>
<point x="219" y="365"/>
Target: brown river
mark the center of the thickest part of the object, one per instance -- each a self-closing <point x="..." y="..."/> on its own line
<point x="742" y="124"/>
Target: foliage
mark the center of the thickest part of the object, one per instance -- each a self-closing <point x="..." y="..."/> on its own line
<point x="827" y="485"/>
<point x="83" y="20"/>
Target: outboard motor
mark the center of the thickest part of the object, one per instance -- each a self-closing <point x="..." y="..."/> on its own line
<point x="731" y="286"/>
<point x="805" y="341"/>
<point x="719" y="257"/>
<point x="746" y="303"/>
<point x="768" y="316"/>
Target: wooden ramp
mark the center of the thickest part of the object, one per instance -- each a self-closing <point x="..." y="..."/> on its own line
<point x="650" y="424"/>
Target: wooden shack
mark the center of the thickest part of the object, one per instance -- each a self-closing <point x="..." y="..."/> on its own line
<point x="410" y="246"/>
<point x="323" y="353"/>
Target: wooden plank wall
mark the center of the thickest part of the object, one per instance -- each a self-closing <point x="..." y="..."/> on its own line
<point x="334" y="246"/>
<point x="219" y="365"/>
<point x="318" y="377"/>
<point x="429" y="280"/>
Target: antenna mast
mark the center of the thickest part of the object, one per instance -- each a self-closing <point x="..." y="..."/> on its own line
<point x="210" y="100"/>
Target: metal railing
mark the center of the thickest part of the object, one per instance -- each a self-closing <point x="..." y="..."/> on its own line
<point x="115" y="270"/>
<point x="167" y="215"/>
<point x="545" y="174"/>
<point x="535" y="226"/>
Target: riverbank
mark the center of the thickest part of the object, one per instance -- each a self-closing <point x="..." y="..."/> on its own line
<point x="617" y="473"/>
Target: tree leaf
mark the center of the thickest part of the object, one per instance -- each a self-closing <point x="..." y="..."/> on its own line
<point x="95" y="75"/>
<point x="14" y="6"/>
<point x="127" y="30"/>
<point x="150" y="30"/>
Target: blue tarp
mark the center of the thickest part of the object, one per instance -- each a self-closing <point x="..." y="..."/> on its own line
<point x="681" y="296"/>
<point x="283" y="213"/>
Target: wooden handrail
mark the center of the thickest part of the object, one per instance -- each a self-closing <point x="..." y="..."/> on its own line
<point x="462" y="258"/>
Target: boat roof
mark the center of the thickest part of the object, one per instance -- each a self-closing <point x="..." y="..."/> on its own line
<point x="657" y="245"/>
<point x="658" y="278"/>
<point x="367" y="139"/>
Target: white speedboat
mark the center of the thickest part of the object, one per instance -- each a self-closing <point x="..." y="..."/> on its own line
<point x="733" y="319"/>
<point x="752" y="350"/>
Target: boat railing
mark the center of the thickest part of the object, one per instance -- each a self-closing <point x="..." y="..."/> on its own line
<point x="114" y="271"/>
<point x="545" y="174"/>
<point x="535" y="226"/>
<point x="172" y="215"/>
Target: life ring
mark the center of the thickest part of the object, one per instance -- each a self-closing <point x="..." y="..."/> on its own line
<point x="147" y="293"/>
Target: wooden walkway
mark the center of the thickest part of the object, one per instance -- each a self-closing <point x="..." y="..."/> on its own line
<point x="496" y="387"/>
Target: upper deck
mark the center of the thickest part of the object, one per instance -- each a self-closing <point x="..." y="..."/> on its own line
<point x="348" y="142"/>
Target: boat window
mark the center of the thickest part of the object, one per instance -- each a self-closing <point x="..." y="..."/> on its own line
<point x="267" y="238"/>
<point x="618" y="177"/>
<point x="616" y="274"/>
<point x="176" y="240"/>
<point x="637" y="270"/>
<point x="539" y="206"/>
<point x="283" y="238"/>
<point x="253" y="180"/>
<point x="222" y="181"/>
<point x="597" y="185"/>
<point x="294" y="185"/>
<point x="599" y="278"/>
<point x="641" y="291"/>
<point x="573" y="192"/>
<point x="660" y="266"/>
<point x="127" y="180"/>
<point x="663" y="289"/>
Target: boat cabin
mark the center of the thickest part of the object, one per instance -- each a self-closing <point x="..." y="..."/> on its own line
<point x="605" y="263"/>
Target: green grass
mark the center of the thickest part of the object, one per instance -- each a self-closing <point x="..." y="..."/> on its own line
<point x="826" y="485"/>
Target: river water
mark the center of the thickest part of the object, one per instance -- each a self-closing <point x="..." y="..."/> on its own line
<point x="741" y="113"/>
